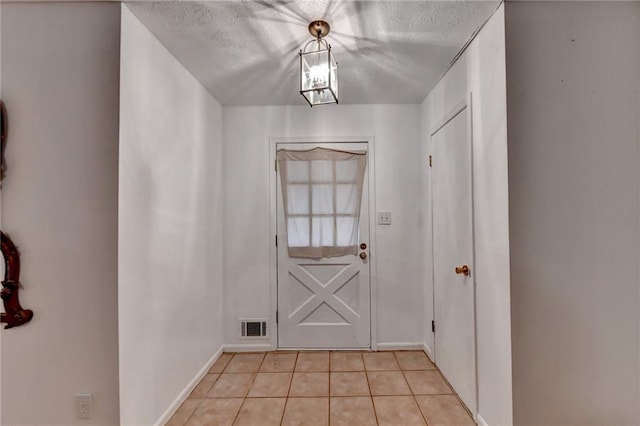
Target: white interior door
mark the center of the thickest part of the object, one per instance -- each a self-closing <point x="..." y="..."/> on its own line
<point x="454" y="292"/>
<point x="324" y="303"/>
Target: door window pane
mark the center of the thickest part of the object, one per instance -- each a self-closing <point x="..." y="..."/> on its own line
<point x="298" y="231"/>
<point x="298" y="199"/>
<point x="346" y="171"/>
<point x="347" y="231"/>
<point x="322" y="199"/>
<point x="322" y="232"/>
<point x="346" y="198"/>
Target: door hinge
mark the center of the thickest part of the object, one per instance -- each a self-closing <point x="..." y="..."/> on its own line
<point x="276" y="164"/>
<point x="433" y="326"/>
<point x="276" y="241"/>
<point x="277" y="317"/>
<point x="430" y="161"/>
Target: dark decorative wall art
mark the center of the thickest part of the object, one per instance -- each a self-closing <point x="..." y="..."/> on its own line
<point x="14" y="314"/>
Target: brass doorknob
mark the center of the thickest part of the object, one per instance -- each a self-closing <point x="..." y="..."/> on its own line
<point x="464" y="270"/>
<point x="363" y="255"/>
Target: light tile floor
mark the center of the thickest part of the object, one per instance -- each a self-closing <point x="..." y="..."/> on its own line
<point x="321" y="388"/>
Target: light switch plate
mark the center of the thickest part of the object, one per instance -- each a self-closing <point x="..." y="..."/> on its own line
<point x="384" y="218"/>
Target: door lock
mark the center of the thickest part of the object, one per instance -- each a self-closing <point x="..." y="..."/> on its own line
<point x="464" y="270"/>
<point x="363" y="255"/>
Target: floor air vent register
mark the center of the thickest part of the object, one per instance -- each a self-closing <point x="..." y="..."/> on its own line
<point x="253" y="328"/>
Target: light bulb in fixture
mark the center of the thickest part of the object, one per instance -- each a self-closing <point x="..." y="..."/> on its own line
<point x="318" y="76"/>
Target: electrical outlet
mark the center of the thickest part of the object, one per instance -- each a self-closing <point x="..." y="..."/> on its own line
<point x="384" y="218"/>
<point x="84" y="405"/>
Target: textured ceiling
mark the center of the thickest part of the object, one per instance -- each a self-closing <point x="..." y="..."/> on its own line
<point x="246" y="52"/>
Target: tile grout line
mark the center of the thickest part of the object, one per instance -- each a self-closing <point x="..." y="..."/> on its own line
<point x="413" y="395"/>
<point x="200" y="403"/>
<point x="286" y="401"/>
<point x="212" y="384"/>
<point x="373" y="404"/>
<point x="235" y="418"/>
<point x="464" y="406"/>
<point x="190" y="415"/>
<point x="453" y="392"/>
<point x="246" y="395"/>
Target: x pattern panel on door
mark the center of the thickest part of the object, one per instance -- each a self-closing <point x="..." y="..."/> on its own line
<point x="318" y="301"/>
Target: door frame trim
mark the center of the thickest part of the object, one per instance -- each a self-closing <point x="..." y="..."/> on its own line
<point x="466" y="102"/>
<point x="373" y="298"/>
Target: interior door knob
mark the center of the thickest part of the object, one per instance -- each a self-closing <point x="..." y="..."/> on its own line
<point x="363" y="255"/>
<point x="464" y="270"/>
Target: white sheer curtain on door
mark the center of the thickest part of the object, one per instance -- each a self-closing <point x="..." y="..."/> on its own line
<point x="322" y="193"/>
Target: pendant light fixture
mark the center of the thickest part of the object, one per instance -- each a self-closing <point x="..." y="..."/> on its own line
<point x="318" y="68"/>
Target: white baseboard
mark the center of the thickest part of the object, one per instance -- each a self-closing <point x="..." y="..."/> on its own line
<point x="428" y="350"/>
<point x="481" y="421"/>
<point x="399" y="346"/>
<point x="182" y="396"/>
<point x="249" y="347"/>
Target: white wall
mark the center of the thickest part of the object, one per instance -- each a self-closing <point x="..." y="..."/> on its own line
<point x="481" y="71"/>
<point x="247" y="235"/>
<point x="59" y="204"/>
<point x="638" y="123"/>
<point x="573" y="101"/>
<point x="2" y="265"/>
<point x="170" y="218"/>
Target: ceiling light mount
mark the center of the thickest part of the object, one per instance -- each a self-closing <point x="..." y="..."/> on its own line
<point x="318" y="67"/>
<point x="319" y="29"/>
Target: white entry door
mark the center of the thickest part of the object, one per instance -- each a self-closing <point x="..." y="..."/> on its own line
<point x="324" y="303"/>
<point x="454" y="288"/>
